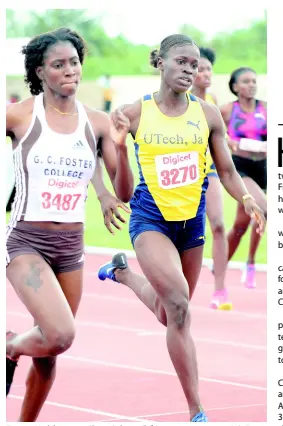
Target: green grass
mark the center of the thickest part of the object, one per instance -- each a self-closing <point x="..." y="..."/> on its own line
<point x="97" y="235"/>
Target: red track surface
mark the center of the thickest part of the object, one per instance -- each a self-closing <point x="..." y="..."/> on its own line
<point x="118" y="367"/>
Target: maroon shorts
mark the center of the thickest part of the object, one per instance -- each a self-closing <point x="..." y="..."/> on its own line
<point x="62" y="250"/>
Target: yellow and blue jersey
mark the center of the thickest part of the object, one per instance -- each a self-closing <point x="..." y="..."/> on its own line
<point x="171" y="155"/>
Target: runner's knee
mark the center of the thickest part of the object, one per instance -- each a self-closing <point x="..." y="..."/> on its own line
<point x="61" y="340"/>
<point x="239" y="230"/>
<point x="241" y="226"/>
<point x="217" y="227"/>
<point x="177" y="309"/>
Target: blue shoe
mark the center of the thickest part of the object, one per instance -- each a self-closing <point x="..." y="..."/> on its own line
<point x="200" y="418"/>
<point x="119" y="261"/>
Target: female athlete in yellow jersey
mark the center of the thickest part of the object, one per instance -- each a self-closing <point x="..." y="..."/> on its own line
<point x="214" y="201"/>
<point x="172" y="131"/>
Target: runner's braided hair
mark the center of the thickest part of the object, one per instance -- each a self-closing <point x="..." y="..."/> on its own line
<point x="235" y="75"/>
<point x="36" y="49"/>
<point x="166" y="44"/>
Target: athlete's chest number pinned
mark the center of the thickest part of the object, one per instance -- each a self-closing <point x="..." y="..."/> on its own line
<point x="177" y="176"/>
<point x="178" y="169"/>
<point x="60" y="201"/>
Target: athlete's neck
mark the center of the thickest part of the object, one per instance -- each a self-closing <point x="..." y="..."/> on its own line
<point x="166" y="96"/>
<point x="199" y="92"/>
<point x="171" y="103"/>
<point x="65" y="104"/>
<point x="247" y="104"/>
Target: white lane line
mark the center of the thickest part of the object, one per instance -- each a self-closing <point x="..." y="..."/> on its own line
<point x="86" y="410"/>
<point x="154" y="371"/>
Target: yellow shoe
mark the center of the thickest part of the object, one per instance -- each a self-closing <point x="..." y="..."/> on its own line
<point x="220" y="300"/>
<point x="226" y="306"/>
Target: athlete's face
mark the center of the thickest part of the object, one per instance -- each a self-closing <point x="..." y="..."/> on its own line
<point x="62" y="69"/>
<point x="246" y="85"/>
<point x="203" y="79"/>
<point x="180" y="67"/>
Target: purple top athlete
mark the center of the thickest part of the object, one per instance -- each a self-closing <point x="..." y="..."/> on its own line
<point x="246" y="121"/>
<point x="248" y="124"/>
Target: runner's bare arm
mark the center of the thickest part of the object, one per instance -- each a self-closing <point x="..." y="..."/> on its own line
<point x="108" y="202"/>
<point x="226" y="111"/>
<point x="227" y="172"/>
<point x="133" y="112"/>
<point x="101" y="190"/>
<point x="11" y="119"/>
<point x="97" y="179"/>
<point x="18" y="117"/>
<point x="115" y="155"/>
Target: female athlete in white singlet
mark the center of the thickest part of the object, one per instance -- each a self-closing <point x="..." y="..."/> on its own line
<point x="54" y="140"/>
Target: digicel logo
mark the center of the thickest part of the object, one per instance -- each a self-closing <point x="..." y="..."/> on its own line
<point x="62" y="184"/>
<point x="175" y="159"/>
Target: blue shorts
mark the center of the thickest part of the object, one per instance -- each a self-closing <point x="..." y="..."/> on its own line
<point x="183" y="234"/>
